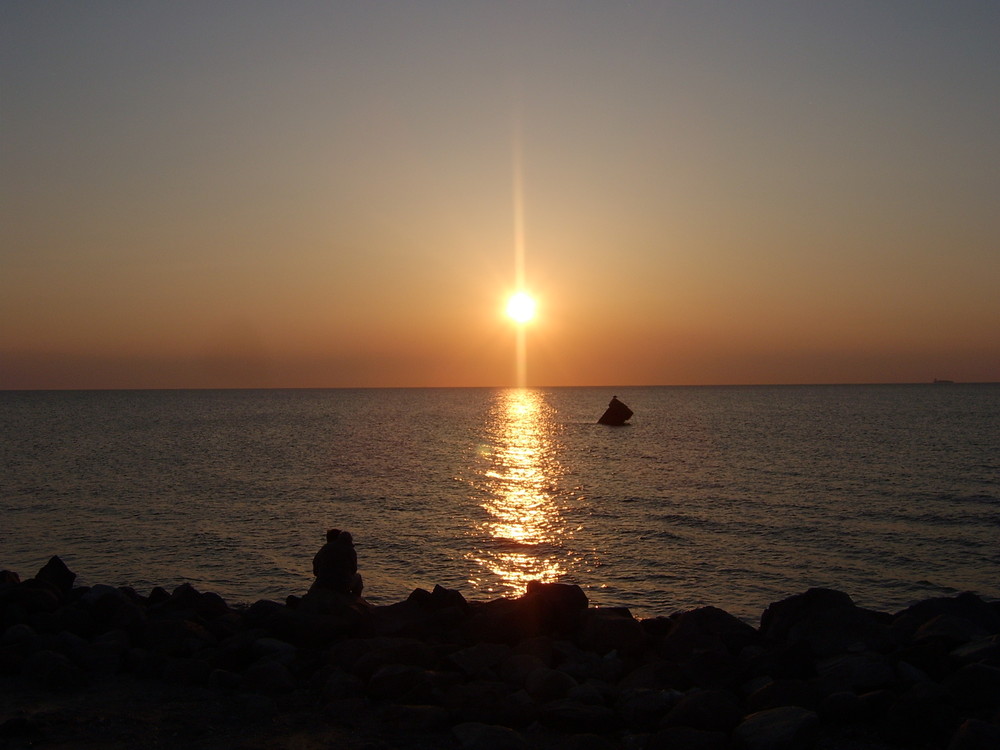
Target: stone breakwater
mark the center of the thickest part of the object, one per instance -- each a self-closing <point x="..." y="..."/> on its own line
<point x="545" y="670"/>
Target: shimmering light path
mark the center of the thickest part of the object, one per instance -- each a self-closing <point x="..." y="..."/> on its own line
<point x="516" y="480"/>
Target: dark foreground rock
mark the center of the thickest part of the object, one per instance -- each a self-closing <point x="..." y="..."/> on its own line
<point x="110" y="667"/>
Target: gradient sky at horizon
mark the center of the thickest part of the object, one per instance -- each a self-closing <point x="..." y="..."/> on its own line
<point x="313" y="194"/>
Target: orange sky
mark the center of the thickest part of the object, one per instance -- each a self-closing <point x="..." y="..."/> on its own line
<point x="321" y="196"/>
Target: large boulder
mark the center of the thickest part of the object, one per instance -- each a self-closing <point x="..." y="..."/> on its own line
<point x="966" y="606"/>
<point x="827" y="622"/>
<point x="555" y="609"/>
<point x="703" y="629"/>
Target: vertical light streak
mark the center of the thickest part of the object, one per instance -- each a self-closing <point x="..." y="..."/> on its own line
<point x="518" y="189"/>
<point x="517" y="157"/>
<point x="522" y="356"/>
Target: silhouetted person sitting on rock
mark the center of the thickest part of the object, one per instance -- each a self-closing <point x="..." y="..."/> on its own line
<point x="336" y="564"/>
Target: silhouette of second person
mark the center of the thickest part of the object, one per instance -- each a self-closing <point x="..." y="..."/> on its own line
<point x="336" y="564"/>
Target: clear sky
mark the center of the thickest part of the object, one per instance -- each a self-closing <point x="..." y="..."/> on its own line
<point x="242" y="194"/>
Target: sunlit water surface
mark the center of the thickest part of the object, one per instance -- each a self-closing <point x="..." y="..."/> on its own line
<point x="733" y="497"/>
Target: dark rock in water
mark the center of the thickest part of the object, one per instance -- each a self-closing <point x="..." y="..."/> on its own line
<point x="616" y="414"/>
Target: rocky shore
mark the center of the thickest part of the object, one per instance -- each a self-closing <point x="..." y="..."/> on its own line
<point x="109" y="667"/>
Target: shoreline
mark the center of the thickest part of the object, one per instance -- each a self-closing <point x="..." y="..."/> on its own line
<point x="117" y="668"/>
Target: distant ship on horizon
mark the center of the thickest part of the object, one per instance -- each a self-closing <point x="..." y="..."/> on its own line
<point x="939" y="381"/>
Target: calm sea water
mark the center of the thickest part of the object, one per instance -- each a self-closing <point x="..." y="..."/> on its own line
<point x="730" y="496"/>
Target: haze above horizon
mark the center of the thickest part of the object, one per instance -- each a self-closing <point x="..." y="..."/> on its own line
<point x="346" y="195"/>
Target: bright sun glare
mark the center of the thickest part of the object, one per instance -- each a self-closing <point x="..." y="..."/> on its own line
<point x="521" y="307"/>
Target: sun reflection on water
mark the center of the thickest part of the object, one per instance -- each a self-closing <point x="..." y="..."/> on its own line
<point x="516" y="484"/>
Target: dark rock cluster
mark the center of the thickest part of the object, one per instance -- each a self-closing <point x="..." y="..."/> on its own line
<point x="544" y="670"/>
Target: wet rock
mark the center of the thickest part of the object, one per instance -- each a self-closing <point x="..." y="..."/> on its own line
<point x="786" y="728"/>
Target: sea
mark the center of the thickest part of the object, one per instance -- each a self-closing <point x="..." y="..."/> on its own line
<point x="733" y="497"/>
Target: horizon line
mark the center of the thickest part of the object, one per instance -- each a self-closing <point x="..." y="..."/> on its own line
<point x="495" y="387"/>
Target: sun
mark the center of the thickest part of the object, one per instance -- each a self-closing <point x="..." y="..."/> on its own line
<point x="521" y="307"/>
